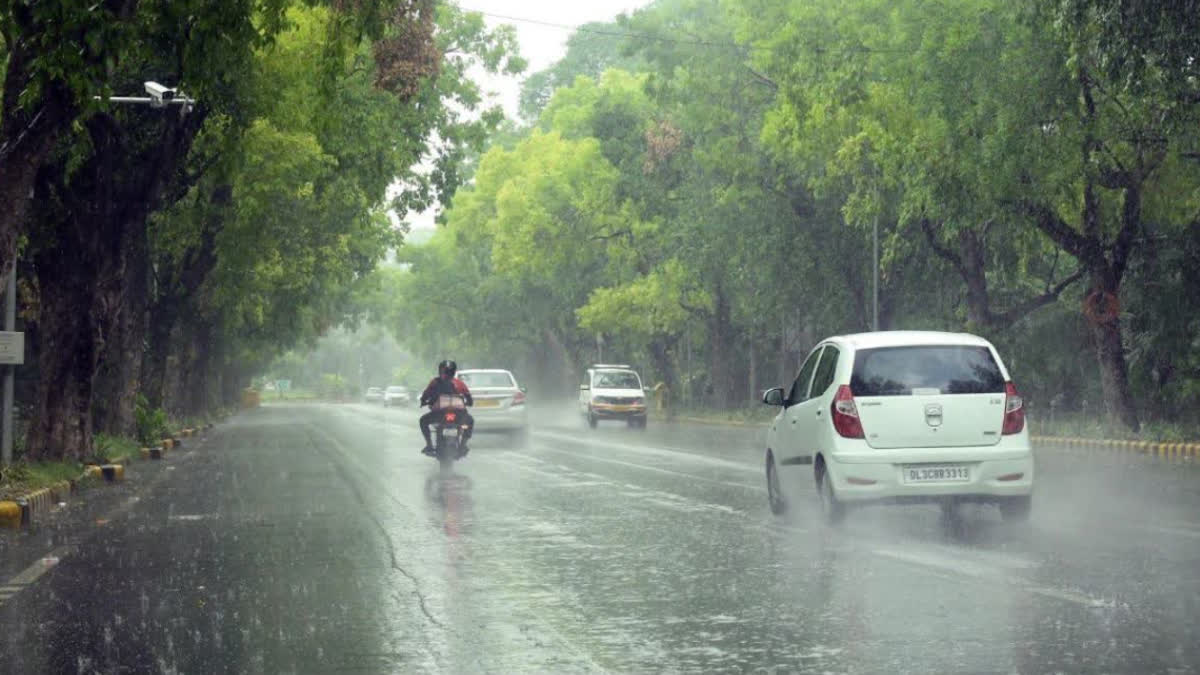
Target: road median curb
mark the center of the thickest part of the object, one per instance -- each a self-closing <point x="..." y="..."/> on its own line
<point x="24" y="510"/>
<point x="1156" y="448"/>
<point x="1172" y="450"/>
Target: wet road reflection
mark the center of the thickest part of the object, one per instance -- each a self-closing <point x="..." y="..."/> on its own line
<point x="613" y="551"/>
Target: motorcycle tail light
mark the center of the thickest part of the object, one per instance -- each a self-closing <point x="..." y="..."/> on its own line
<point x="450" y="417"/>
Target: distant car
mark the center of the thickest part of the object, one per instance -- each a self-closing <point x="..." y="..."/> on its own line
<point x="500" y="403"/>
<point x="373" y="395"/>
<point x="396" y="396"/>
<point x="902" y="417"/>
<point x="613" y="392"/>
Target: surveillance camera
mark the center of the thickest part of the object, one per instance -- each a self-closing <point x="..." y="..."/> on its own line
<point x="159" y="95"/>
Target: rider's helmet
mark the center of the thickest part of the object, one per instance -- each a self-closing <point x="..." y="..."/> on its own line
<point x="447" y="368"/>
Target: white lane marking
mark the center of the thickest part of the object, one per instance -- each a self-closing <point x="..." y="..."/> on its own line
<point x="665" y="451"/>
<point x="192" y="516"/>
<point x="32" y="573"/>
<point x="960" y="567"/>
<point x="645" y="467"/>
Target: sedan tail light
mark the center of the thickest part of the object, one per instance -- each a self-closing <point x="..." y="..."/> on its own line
<point x="845" y="414"/>
<point x="1014" y="410"/>
<point x="519" y="398"/>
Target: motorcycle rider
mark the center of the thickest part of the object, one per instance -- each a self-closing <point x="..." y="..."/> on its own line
<point x="445" y="384"/>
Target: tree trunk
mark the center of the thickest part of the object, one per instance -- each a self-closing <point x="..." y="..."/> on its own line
<point x="660" y="349"/>
<point x="753" y="377"/>
<point x="61" y="427"/>
<point x="119" y="377"/>
<point x="566" y="374"/>
<point x="232" y="383"/>
<point x="161" y="321"/>
<point x="180" y="281"/>
<point x="28" y="134"/>
<point x="193" y="397"/>
<point x="719" y="346"/>
<point x="970" y="260"/>
<point x="1114" y="374"/>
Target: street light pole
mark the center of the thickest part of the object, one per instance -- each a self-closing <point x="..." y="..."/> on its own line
<point x="875" y="274"/>
<point x="10" y="322"/>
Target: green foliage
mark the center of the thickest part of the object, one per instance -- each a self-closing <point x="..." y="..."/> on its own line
<point x="110" y="447"/>
<point x="335" y="387"/>
<point x="706" y="204"/>
<point x="151" y="422"/>
<point x="21" y="478"/>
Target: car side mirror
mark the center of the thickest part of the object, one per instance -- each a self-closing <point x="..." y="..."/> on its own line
<point x="584" y="387"/>
<point x="773" y="396"/>
<point x="524" y="390"/>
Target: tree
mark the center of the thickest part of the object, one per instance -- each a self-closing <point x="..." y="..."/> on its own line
<point x="93" y="280"/>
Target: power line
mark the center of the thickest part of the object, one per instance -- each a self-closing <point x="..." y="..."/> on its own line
<point x="659" y="38"/>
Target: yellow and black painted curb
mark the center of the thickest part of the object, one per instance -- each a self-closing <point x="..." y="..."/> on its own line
<point x="24" y="510"/>
<point x="1156" y="448"/>
<point x="113" y="473"/>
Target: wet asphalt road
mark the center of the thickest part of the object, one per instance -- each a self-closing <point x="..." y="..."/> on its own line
<point x="316" y="539"/>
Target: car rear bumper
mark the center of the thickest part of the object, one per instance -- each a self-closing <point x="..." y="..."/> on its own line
<point x="991" y="479"/>
<point x="513" y="418"/>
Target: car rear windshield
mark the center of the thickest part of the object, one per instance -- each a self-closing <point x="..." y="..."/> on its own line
<point x="487" y="379"/>
<point x="901" y="371"/>
<point x="616" y="380"/>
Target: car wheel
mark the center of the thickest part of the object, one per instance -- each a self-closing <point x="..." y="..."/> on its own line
<point x="1016" y="509"/>
<point x="592" y="421"/>
<point x="832" y="510"/>
<point x="775" y="498"/>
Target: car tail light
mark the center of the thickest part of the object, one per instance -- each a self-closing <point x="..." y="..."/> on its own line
<point x="845" y="414"/>
<point x="1014" y="410"/>
<point x="519" y="398"/>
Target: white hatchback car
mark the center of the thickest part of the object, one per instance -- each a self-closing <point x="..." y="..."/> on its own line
<point x="499" y="402"/>
<point x="904" y="417"/>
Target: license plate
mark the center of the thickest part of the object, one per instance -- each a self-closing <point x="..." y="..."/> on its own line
<point x="488" y="403"/>
<point x="620" y="408"/>
<point x="947" y="473"/>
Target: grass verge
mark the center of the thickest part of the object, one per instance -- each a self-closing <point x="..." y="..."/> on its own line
<point x="752" y="415"/>
<point x="109" y="448"/>
<point x="1079" y="426"/>
<point x="22" y="477"/>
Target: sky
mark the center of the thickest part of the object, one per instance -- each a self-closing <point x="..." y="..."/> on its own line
<point x="540" y="45"/>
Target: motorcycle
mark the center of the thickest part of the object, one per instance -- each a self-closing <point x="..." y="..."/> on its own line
<point x="449" y="430"/>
